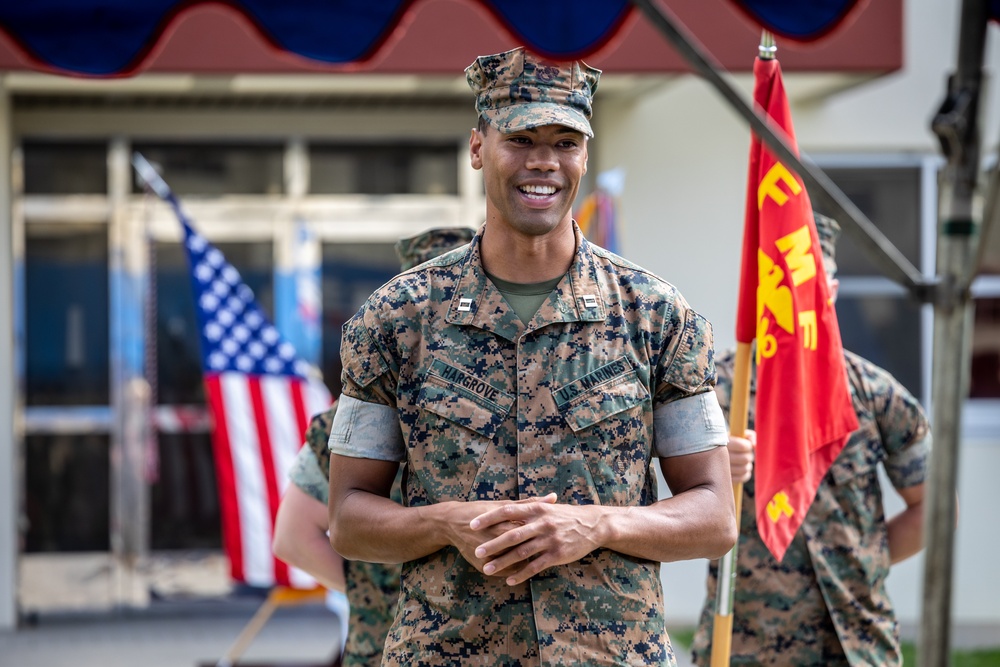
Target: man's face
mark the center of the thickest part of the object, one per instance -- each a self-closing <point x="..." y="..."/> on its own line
<point x="531" y="176"/>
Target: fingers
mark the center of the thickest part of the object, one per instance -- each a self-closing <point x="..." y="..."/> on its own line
<point x="515" y="511"/>
<point x="741" y="456"/>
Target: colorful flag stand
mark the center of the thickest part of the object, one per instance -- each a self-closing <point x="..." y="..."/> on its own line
<point x="597" y="215"/>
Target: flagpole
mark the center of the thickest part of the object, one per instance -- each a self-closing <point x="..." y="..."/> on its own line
<point x="722" y="627"/>
<point x="739" y="405"/>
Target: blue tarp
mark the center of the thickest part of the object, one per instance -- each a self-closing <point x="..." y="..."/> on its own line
<point x="112" y="37"/>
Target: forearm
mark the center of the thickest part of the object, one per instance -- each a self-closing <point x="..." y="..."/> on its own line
<point x="368" y="527"/>
<point x="300" y="538"/>
<point x="694" y="524"/>
<point x="906" y="533"/>
<point x="312" y="553"/>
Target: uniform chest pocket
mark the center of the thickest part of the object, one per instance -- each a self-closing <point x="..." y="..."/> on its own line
<point x="464" y="400"/>
<point x="453" y="432"/>
<point x="609" y="390"/>
<point x="609" y="414"/>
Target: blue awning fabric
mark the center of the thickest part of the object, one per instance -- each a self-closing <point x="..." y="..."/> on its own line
<point x="112" y="37"/>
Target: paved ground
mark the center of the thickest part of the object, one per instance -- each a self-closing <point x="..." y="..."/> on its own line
<point x="193" y="620"/>
<point x="176" y="635"/>
<point x="200" y="633"/>
<point x="172" y="635"/>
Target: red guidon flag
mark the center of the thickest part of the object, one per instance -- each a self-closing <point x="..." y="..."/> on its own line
<point x="804" y="412"/>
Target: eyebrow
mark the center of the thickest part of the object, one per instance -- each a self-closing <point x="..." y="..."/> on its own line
<point x="562" y="130"/>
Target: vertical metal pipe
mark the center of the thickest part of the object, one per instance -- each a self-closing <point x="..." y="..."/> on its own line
<point x="956" y="125"/>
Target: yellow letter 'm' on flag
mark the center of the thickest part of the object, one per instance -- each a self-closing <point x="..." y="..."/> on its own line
<point x="797" y="248"/>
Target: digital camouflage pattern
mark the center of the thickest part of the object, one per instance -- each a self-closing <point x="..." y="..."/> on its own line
<point x="515" y="90"/>
<point x="428" y="245"/>
<point x="826" y="603"/>
<point x="495" y="409"/>
<point x="372" y="588"/>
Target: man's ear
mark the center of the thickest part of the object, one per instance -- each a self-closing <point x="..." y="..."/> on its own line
<point x="476" y="149"/>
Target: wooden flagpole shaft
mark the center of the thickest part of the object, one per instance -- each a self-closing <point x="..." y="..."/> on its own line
<point x="739" y="403"/>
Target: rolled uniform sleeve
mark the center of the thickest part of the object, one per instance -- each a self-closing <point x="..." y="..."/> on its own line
<point x="905" y="433"/>
<point x="366" y="424"/>
<point x="689" y="425"/>
<point x="689" y="366"/>
<point x="366" y="431"/>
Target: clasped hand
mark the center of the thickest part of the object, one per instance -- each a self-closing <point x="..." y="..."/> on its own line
<point x="519" y="539"/>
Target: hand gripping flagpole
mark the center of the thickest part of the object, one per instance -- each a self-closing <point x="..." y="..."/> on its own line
<point x="739" y="404"/>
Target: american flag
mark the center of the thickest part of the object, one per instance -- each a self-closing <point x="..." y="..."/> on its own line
<point x="261" y="396"/>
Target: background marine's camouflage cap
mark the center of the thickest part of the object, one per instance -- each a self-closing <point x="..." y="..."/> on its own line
<point x="828" y="230"/>
<point x="428" y="245"/>
<point x="515" y="90"/>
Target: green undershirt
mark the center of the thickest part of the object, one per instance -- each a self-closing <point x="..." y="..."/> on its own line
<point x="524" y="298"/>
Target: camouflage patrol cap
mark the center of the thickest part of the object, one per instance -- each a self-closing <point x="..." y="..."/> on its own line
<point x="428" y="245"/>
<point x="828" y="230"/>
<point x="515" y="90"/>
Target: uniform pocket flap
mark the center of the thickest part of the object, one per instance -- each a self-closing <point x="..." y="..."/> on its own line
<point x="600" y="394"/>
<point x="464" y="399"/>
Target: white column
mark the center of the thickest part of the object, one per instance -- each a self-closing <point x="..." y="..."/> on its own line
<point x="130" y="392"/>
<point x="10" y="491"/>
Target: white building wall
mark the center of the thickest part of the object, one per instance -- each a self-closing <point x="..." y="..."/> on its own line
<point x="685" y="153"/>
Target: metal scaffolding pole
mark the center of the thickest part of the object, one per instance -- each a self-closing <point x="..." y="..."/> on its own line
<point x="879" y="249"/>
<point x="956" y="125"/>
<point x="957" y="253"/>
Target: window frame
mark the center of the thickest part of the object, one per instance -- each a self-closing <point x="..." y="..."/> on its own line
<point x="980" y="416"/>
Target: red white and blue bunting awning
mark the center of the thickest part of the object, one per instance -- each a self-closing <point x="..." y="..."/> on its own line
<point x="114" y="37"/>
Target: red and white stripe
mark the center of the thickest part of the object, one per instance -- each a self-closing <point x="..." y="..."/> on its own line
<point x="260" y="422"/>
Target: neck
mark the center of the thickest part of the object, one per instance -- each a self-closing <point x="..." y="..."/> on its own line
<point x="524" y="259"/>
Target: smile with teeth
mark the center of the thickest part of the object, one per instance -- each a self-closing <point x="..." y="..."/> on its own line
<point x="537" y="191"/>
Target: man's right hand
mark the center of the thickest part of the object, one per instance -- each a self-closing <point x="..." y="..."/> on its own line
<point x="741" y="455"/>
<point x="467" y="540"/>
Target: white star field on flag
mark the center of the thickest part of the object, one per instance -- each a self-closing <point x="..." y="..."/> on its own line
<point x="236" y="335"/>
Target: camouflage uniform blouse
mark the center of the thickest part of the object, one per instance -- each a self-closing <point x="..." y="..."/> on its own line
<point x="826" y="602"/>
<point x="372" y="588"/>
<point x="491" y="409"/>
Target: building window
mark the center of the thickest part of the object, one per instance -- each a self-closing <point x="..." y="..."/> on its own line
<point x="66" y="492"/>
<point x="65" y="168"/>
<point x="184" y="497"/>
<point x="216" y="169"/>
<point x="66" y="315"/>
<point x="985" y="376"/>
<point x="878" y="320"/>
<point x="383" y="169"/>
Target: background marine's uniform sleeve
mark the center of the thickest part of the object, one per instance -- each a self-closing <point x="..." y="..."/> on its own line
<point x="904" y="429"/>
<point x="307" y="475"/>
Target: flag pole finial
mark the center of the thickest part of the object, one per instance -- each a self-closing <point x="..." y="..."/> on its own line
<point x="767" y="49"/>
